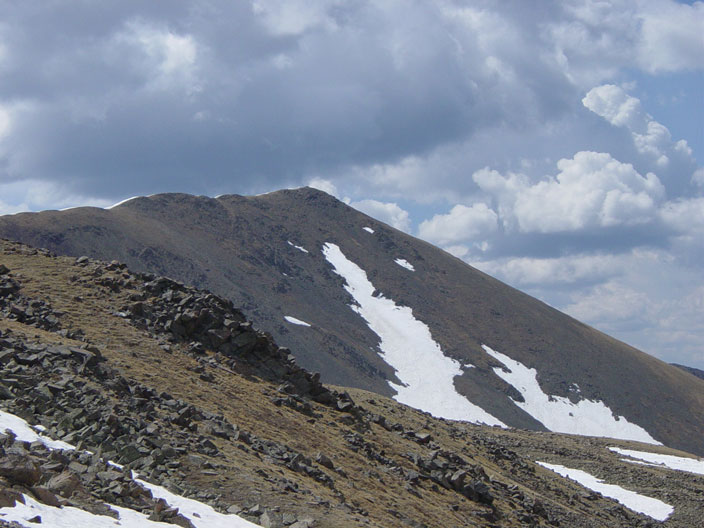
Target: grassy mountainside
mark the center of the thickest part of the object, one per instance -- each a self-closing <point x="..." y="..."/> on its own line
<point x="244" y="249"/>
<point x="175" y="383"/>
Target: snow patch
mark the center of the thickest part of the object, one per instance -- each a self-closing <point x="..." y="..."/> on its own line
<point x="25" y="433"/>
<point x="70" y="517"/>
<point x="426" y="374"/>
<point x="122" y="202"/>
<point x="201" y="515"/>
<point x="692" y="465"/>
<point x="368" y="230"/>
<point x="295" y="321"/>
<point x="559" y="414"/>
<point x="654" y="508"/>
<point x="299" y="248"/>
<point x="404" y="264"/>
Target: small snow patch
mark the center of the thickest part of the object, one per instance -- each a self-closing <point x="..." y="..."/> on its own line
<point x="295" y="321"/>
<point x="25" y="433"/>
<point x="299" y="248"/>
<point x="368" y="230"/>
<point x="404" y="264"/>
<point x="654" y="508"/>
<point x="201" y="515"/>
<point x="692" y="465"/>
<point x="426" y="374"/>
<point x="69" y="516"/>
<point x="122" y="202"/>
<point x="559" y="414"/>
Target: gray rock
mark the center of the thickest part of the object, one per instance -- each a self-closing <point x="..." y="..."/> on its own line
<point x="9" y="498"/>
<point x="46" y="496"/>
<point x="271" y="520"/>
<point x="304" y="523"/>
<point x="20" y="469"/>
<point x="64" y="484"/>
<point x="325" y="461"/>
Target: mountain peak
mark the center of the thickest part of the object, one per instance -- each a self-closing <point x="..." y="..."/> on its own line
<point x="267" y="255"/>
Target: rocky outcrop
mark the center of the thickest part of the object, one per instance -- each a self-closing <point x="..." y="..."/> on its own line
<point x="207" y="321"/>
<point x="119" y="420"/>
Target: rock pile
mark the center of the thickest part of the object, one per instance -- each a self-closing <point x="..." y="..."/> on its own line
<point x="84" y="402"/>
<point x="17" y="307"/>
<point x="209" y="322"/>
<point x="74" y="478"/>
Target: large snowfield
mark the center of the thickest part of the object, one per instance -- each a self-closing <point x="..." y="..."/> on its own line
<point x="426" y="374"/>
<point x="649" y="506"/>
<point x="201" y="515"/>
<point x="559" y="414"/>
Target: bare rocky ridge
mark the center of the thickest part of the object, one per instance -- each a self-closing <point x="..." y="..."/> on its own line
<point x="694" y="371"/>
<point x="247" y="250"/>
<point x="176" y="384"/>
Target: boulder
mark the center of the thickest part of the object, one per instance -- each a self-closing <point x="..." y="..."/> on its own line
<point x="20" y="469"/>
<point x="64" y="484"/>
<point x="9" y="498"/>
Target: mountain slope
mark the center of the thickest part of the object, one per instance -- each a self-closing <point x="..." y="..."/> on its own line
<point x="266" y="254"/>
<point x="114" y="363"/>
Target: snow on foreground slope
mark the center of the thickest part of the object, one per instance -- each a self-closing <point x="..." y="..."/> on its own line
<point x="654" y="508"/>
<point x="201" y="515"/>
<point x="25" y="433"/>
<point x="559" y="414"/>
<point x="690" y="465"/>
<point x="426" y="374"/>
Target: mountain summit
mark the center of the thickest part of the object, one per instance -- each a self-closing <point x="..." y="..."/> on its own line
<point x="370" y="307"/>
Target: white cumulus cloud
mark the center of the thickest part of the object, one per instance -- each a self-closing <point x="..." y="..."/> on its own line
<point x="461" y="224"/>
<point x="170" y="58"/>
<point x="293" y="17"/>
<point x="671" y="37"/>
<point x="532" y="271"/>
<point x="323" y="185"/>
<point x="650" y="137"/>
<point x="387" y="212"/>
<point x="613" y="104"/>
<point x="591" y="190"/>
<point x="4" y="122"/>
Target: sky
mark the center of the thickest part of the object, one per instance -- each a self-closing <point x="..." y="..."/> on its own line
<point x="556" y="145"/>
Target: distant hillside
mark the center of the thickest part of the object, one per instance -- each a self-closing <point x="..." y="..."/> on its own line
<point x="695" y="371"/>
<point x="370" y="307"/>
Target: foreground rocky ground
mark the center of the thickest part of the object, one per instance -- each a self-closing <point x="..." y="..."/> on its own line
<point x="175" y="384"/>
